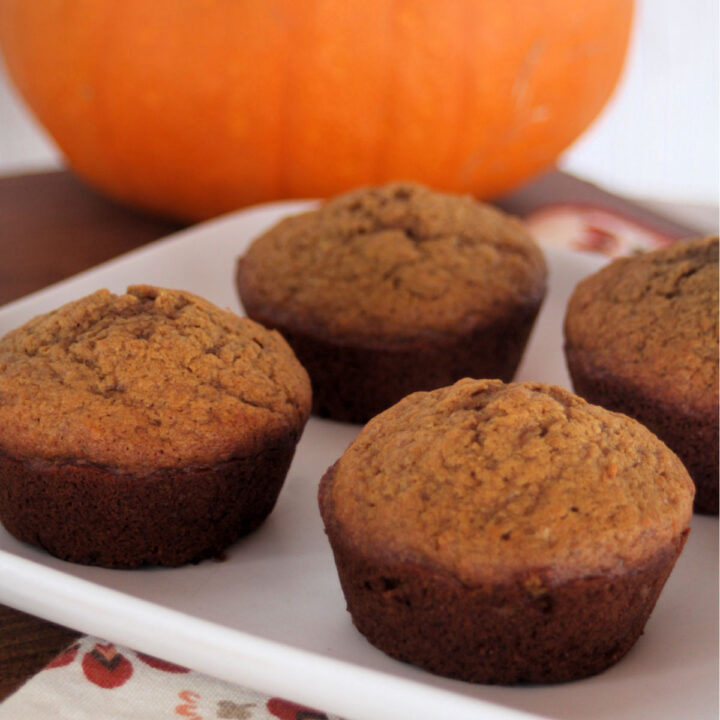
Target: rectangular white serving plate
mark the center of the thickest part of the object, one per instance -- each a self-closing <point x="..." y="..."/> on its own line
<point x="272" y="616"/>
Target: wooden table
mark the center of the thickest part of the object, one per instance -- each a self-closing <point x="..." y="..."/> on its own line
<point x="52" y="226"/>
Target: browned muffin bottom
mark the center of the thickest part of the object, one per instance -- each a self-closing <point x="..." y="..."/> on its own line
<point x="145" y="428"/>
<point x="95" y="516"/>
<point x="641" y="337"/>
<point x="504" y="533"/>
<point x="385" y="291"/>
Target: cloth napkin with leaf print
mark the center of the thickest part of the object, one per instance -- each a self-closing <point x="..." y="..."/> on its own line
<point x="94" y="679"/>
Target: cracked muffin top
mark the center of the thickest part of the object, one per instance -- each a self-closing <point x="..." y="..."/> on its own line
<point x="490" y="480"/>
<point x="397" y="261"/>
<point x="150" y="379"/>
<point x="652" y="320"/>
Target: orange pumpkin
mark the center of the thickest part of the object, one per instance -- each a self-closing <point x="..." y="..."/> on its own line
<point x="192" y="108"/>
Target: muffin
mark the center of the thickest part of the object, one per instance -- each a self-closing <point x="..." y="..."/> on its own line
<point x="641" y="337"/>
<point x="145" y="428"/>
<point x="385" y="291"/>
<point x="504" y="533"/>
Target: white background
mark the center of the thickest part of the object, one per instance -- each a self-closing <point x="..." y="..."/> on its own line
<point x="656" y="140"/>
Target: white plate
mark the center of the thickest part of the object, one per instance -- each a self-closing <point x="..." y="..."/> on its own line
<point x="272" y="616"/>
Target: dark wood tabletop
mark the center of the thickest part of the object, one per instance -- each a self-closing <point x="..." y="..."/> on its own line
<point x="52" y="227"/>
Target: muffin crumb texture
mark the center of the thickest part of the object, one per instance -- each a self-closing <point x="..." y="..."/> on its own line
<point x="653" y="320"/>
<point x="397" y="261"/>
<point x="147" y="380"/>
<point x="487" y="480"/>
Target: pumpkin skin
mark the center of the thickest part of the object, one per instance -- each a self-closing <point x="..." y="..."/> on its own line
<point x="190" y="109"/>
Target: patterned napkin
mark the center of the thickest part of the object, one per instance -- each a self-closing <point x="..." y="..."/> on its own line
<point x="93" y="678"/>
<point x="593" y="229"/>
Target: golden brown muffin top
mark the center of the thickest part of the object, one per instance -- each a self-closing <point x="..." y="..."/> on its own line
<point x="652" y="321"/>
<point x="489" y="481"/>
<point x="397" y="261"/>
<point x="151" y="379"/>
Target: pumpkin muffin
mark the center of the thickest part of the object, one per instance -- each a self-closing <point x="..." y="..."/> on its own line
<point x="388" y="290"/>
<point x="641" y="337"/>
<point x="504" y="533"/>
<point x="144" y="428"/>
